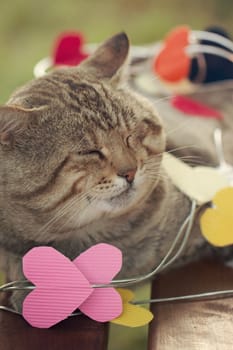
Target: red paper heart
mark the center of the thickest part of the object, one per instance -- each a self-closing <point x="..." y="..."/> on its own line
<point x="173" y="63"/>
<point x="194" y="108"/>
<point x="69" y="50"/>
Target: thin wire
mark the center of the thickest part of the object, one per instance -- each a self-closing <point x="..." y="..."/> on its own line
<point x="189" y="219"/>
<point x="217" y="38"/>
<point x="185" y="239"/>
<point x="16" y="285"/>
<point x="193" y="49"/>
<point x="206" y="295"/>
<point x="5" y="308"/>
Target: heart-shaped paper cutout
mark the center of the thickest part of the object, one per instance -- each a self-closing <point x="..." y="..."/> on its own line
<point x="60" y="287"/>
<point x="173" y="63"/>
<point x="100" y="264"/>
<point x="69" y="49"/>
<point x="199" y="183"/>
<point x="194" y="108"/>
<point x="132" y="315"/>
<point x="217" y="222"/>
<point x="178" y="37"/>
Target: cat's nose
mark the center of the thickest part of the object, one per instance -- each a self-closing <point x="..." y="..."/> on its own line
<point x="129" y="175"/>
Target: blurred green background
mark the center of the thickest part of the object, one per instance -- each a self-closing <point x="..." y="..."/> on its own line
<point x="28" y="29"/>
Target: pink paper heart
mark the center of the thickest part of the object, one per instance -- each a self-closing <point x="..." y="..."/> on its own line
<point x="69" y="49"/>
<point x="60" y="287"/>
<point x="100" y="264"/>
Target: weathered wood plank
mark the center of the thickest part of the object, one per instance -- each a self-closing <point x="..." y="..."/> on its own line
<point x="72" y="334"/>
<point x="204" y="325"/>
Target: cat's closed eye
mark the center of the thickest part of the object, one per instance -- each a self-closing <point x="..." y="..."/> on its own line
<point x="93" y="152"/>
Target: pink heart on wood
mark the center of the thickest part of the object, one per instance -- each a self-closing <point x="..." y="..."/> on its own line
<point x="60" y="287"/>
<point x="100" y="264"/>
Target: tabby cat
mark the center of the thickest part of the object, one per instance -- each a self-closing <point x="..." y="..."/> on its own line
<point x="81" y="164"/>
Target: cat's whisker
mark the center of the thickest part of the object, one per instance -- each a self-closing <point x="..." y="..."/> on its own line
<point x="158" y="176"/>
<point x="61" y="212"/>
<point x="180" y="148"/>
<point x="155" y="175"/>
<point x="152" y="165"/>
<point x="192" y="158"/>
<point x="195" y="162"/>
<point x="162" y="99"/>
<point x="73" y="212"/>
<point x="195" y="158"/>
<point x="82" y="212"/>
<point x="44" y="229"/>
<point x="183" y="148"/>
<point x="180" y="126"/>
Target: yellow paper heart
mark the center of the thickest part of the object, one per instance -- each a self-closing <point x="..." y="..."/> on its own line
<point x="132" y="315"/>
<point x="217" y="222"/>
<point x="199" y="183"/>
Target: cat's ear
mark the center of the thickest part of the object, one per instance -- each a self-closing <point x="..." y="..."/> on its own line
<point x="13" y="120"/>
<point x="109" y="61"/>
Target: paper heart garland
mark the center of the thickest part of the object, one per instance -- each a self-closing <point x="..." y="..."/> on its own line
<point x="199" y="183"/>
<point x="217" y="222"/>
<point x="173" y="63"/>
<point x="69" y="49"/>
<point x="132" y="315"/>
<point x="62" y="285"/>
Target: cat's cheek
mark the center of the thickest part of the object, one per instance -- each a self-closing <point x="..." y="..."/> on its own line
<point x="143" y="186"/>
<point x="81" y="186"/>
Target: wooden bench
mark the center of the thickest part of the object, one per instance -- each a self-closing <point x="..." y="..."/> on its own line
<point x="72" y="334"/>
<point x="201" y="325"/>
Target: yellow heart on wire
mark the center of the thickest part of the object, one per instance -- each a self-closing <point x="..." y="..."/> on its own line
<point x="132" y="315"/>
<point x="217" y="222"/>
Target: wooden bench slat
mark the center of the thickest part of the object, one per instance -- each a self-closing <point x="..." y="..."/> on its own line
<point x="204" y="325"/>
<point x="72" y="334"/>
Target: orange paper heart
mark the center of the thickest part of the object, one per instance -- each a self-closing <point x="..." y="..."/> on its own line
<point x="173" y="63"/>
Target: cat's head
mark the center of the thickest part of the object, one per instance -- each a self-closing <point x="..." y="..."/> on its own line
<point x="76" y="145"/>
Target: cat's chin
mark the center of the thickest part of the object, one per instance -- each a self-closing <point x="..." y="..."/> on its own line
<point x="127" y="200"/>
<point x="123" y="199"/>
<point x="130" y="199"/>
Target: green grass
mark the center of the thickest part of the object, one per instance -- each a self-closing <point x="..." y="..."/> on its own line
<point x="123" y="338"/>
<point x="28" y="29"/>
